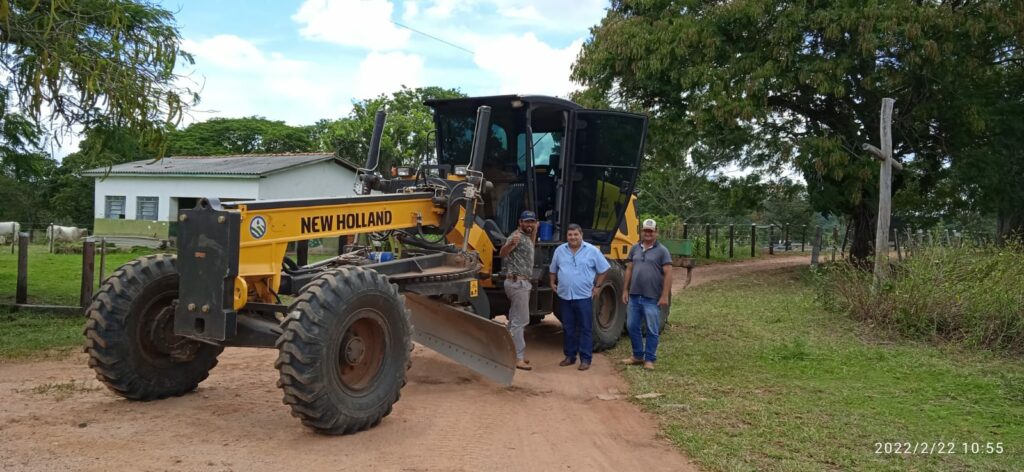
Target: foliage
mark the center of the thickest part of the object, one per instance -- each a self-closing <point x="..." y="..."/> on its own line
<point x="754" y="375"/>
<point x="408" y="138"/>
<point x="968" y="296"/>
<point x="251" y="135"/>
<point x="769" y="83"/>
<point x="100" y="64"/>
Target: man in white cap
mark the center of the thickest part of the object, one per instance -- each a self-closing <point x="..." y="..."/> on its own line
<point x="646" y="288"/>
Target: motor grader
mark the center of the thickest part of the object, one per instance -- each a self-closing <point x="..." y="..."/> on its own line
<point x="344" y="327"/>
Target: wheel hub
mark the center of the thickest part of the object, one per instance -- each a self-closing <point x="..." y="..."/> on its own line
<point x="162" y="340"/>
<point x="354" y="350"/>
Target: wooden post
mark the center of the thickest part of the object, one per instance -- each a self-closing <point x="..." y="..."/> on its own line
<point x="685" y="231"/>
<point x="816" y="246"/>
<point x="787" y="245"/>
<point x="884" y="188"/>
<point x="342" y="240"/>
<point x="803" y="237"/>
<point x="835" y="241"/>
<point x="732" y="239"/>
<point x="88" y="268"/>
<point x="103" y="258"/>
<point x="753" y="240"/>
<point x="21" y="293"/>
<point x="707" y="241"/>
<point x="771" y="239"/>
<point x="302" y="253"/>
<point x="716" y="235"/>
<point x="896" y="240"/>
<point x="50" y="237"/>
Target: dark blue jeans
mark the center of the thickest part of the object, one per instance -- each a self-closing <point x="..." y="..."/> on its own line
<point x="578" y="325"/>
<point x="641" y="311"/>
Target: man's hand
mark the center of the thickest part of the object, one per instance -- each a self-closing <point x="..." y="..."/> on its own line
<point x="554" y="288"/>
<point x="663" y="301"/>
<point x="594" y="291"/>
<point x="625" y="297"/>
<point x="514" y="240"/>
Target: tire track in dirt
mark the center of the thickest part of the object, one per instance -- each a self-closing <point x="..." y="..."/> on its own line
<point x="447" y="419"/>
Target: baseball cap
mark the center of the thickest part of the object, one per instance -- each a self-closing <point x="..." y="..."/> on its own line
<point x="650" y="224"/>
<point x="528" y="215"/>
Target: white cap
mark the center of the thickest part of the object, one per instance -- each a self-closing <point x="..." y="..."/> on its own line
<point x="649" y="224"/>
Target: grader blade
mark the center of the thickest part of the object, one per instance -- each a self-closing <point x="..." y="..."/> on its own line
<point x="478" y="343"/>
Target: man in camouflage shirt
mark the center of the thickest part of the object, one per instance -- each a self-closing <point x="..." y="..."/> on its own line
<point x="517" y="260"/>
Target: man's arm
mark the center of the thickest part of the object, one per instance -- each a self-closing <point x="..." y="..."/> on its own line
<point x="625" y="282"/>
<point x="510" y="244"/>
<point x="553" y="271"/>
<point x="666" y="285"/>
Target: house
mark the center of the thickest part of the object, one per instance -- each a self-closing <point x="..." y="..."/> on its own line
<point x="141" y="199"/>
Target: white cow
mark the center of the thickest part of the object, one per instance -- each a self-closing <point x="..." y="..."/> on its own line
<point x="9" y="232"/>
<point x="57" y="233"/>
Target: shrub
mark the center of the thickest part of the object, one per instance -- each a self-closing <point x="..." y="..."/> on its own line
<point x="968" y="296"/>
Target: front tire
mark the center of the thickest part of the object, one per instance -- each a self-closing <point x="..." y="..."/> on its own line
<point x="609" y="311"/>
<point x="344" y="351"/>
<point x="130" y="334"/>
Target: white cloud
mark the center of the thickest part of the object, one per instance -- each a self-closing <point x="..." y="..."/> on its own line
<point x="387" y="72"/>
<point x="238" y="79"/>
<point x="411" y="10"/>
<point x="360" y="23"/>
<point x="441" y="9"/>
<point x="525" y="64"/>
<point x="528" y="12"/>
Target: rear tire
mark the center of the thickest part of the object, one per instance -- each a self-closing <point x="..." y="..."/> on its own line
<point x="344" y="351"/>
<point x="609" y="311"/>
<point x="130" y="334"/>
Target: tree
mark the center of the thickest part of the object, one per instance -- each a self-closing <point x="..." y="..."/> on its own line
<point x="407" y="139"/>
<point x="772" y="83"/>
<point x="252" y="135"/>
<point x="100" y="64"/>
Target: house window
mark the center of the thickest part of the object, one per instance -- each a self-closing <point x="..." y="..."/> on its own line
<point x="115" y="207"/>
<point x="146" y="208"/>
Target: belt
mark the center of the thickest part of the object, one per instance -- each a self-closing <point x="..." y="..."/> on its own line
<point x="517" y="277"/>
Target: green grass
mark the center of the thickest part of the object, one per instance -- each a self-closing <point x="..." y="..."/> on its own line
<point x="33" y="335"/>
<point x="757" y="376"/>
<point x="53" y="279"/>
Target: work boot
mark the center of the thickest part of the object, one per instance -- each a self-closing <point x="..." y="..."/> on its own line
<point x="648" y="365"/>
<point x="632" y="361"/>
<point x="520" y="364"/>
<point x="567" y="362"/>
<point x="584" y="365"/>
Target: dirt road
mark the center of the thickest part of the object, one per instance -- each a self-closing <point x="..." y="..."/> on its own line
<point x="56" y="416"/>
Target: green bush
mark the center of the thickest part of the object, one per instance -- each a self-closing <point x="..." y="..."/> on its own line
<point x="968" y="296"/>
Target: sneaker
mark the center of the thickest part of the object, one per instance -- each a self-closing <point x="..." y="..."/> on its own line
<point x="566" y="362"/>
<point x="632" y="361"/>
<point x="648" y="365"/>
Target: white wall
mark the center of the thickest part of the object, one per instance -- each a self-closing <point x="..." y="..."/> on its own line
<point x="325" y="179"/>
<point x="167" y="187"/>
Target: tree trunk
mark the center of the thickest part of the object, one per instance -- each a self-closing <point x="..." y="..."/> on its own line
<point x="1009" y="223"/>
<point x="863" y="222"/>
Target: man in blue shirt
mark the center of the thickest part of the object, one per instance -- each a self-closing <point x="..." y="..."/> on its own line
<point x="577" y="269"/>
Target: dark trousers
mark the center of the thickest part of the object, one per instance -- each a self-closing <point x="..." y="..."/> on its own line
<point x="578" y="327"/>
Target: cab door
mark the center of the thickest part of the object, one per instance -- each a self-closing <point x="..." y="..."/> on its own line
<point x="602" y="167"/>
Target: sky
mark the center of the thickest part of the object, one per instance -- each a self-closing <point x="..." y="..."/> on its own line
<point x="303" y="61"/>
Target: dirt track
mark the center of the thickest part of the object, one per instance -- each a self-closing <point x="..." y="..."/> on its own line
<point x="448" y="418"/>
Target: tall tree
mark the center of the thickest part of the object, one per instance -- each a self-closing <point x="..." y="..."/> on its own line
<point x="252" y="135"/>
<point x="101" y="64"/>
<point x="771" y="83"/>
<point x="407" y="138"/>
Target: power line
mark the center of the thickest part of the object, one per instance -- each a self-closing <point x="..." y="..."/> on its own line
<point x="435" y="38"/>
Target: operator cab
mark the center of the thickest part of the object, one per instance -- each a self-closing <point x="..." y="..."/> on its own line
<point x="564" y="162"/>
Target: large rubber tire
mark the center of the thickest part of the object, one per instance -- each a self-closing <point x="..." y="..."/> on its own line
<point x="609" y="311"/>
<point x="344" y="351"/>
<point x="130" y="334"/>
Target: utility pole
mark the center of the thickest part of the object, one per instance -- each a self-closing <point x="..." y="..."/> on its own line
<point x="884" y="189"/>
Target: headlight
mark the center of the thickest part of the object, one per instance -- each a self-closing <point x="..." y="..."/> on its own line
<point x="461" y="170"/>
<point x="404" y="171"/>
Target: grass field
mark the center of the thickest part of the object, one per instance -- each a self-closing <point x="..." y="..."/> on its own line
<point x="756" y="376"/>
<point x="53" y="279"/>
<point x="36" y="336"/>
